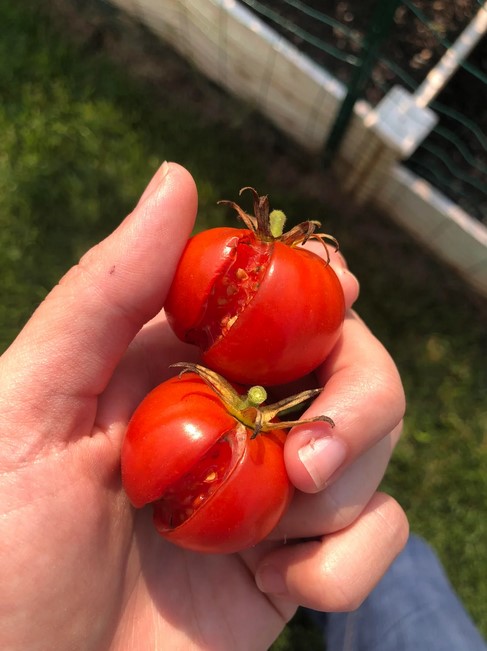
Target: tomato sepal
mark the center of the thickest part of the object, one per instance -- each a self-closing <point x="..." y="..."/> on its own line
<point x="268" y="226"/>
<point x="249" y="409"/>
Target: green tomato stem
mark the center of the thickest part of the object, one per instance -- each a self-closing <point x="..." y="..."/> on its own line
<point x="254" y="398"/>
<point x="277" y="220"/>
<point x="247" y="409"/>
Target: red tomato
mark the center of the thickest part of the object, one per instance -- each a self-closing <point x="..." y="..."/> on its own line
<point x="212" y="486"/>
<point x="262" y="309"/>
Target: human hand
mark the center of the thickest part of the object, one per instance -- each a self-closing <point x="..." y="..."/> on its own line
<point x="81" y="570"/>
<point x="355" y="531"/>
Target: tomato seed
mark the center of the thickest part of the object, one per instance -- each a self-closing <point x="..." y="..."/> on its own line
<point x="186" y="496"/>
<point x="241" y="274"/>
<point x="198" y="500"/>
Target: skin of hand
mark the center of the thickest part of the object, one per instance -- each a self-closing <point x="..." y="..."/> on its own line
<point x="81" y="570"/>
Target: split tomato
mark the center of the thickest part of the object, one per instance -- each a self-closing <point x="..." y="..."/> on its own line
<point x="209" y="461"/>
<point x="261" y="308"/>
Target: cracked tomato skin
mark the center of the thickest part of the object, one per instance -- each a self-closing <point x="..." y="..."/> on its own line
<point x="212" y="487"/>
<point x="261" y="312"/>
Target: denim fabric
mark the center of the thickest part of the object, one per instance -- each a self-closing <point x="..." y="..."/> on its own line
<point x="413" y="608"/>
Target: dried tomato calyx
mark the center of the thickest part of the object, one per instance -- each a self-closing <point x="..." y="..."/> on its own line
<point x="249" y="409"/>
<point x="269" y="226"/>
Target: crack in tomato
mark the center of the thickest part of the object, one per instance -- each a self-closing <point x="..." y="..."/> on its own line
<point x="232" y="290"/>
<point x="187" y="495"/>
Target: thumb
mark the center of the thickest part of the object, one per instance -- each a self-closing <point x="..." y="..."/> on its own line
<point x="77" y="336"/>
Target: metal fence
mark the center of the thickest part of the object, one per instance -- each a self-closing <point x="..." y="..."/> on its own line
<point x="392" y="92"/>
<point x="433" y="50"/>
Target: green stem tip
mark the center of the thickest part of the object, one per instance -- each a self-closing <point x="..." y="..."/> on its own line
<point x="256" y="396"/>
<point x="277" y="220"/>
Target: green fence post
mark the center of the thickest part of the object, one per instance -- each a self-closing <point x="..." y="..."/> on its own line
<point x="381" y="23"/>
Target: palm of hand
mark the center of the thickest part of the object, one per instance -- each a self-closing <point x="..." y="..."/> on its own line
<point x="120" y="584"/>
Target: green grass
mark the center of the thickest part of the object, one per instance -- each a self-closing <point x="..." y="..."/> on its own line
<point x="81" y="133"/>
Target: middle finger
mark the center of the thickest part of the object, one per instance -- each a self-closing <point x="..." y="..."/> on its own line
<point x="339" y="505"/>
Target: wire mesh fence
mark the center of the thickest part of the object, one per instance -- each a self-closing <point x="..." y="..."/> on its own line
<point x="336" y="36"/>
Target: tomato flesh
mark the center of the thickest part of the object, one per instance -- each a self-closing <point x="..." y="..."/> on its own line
<point x="232" y="290"/>
<point x="184" y="497"/>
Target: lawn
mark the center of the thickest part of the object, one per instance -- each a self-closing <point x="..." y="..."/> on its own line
<point x="91" y="105"/>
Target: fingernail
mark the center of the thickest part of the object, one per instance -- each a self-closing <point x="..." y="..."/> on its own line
<point x="155" y="181"/>
<point x="322" y="457"/>
<point x="270" y="580"/>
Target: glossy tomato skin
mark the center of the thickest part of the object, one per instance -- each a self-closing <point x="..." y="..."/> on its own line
<point x="288" y="326"/>
<point x="173" y="428"/>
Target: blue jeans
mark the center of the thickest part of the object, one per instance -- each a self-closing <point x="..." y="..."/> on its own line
<point x="413" y="608"/>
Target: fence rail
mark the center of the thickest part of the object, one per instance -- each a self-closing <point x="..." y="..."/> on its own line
<point x="396" y="151"/>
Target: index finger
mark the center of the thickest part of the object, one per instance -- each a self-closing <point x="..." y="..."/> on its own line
<point x="348" y="281"/>
<point x="362" y="393"/>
